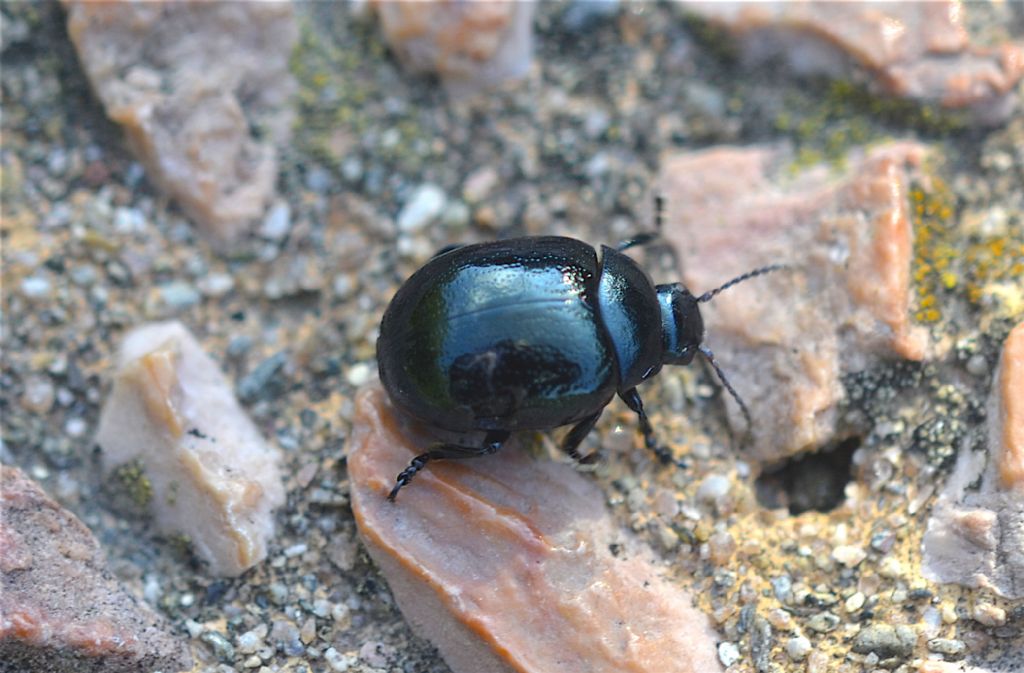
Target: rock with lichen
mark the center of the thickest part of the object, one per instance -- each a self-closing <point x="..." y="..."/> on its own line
<point x="917" y="50"/>
<point x="784" y="340"/>
<point x="61" y="610"/>
<point x="975" y="535"/>
<point x="202" y="91"/>
<point x="470" y="45"/>
<point x="507" y="564"/>
<point x="193" y="457"/>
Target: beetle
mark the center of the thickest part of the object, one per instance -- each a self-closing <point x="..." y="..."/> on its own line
<point x="533" y="333"/>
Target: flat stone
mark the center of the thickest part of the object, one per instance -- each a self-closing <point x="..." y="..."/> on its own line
<point x="503" y="562"/>
<point x="470" y="45"/>
<point x="975" y="534"/>
<point x="61" y="610"/>
<point x="210" y="473"/>
<point x="785" y="339"/>
<point x="188" y="82"/>
<point x="917" y="50"/>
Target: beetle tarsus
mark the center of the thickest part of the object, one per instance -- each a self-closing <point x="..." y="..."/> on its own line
<point x="632" y="399"/>
<point x="492" y="442"/>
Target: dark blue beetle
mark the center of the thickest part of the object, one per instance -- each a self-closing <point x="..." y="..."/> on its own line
<point x="532" y="334"/>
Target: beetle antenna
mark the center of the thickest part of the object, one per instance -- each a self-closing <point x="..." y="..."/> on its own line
<point x="728" y="386"/>
<point x="707" y="296"/>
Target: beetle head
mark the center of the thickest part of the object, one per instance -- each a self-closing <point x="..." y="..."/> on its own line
<point x="682" y="327"/>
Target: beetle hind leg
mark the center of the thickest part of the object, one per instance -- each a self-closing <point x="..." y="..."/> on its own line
<point x="632" y="399"/>
<point x="572" y="440"/>
<point x="492" y="442"/>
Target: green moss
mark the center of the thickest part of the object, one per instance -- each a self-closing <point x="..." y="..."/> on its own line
<point x="132" y="482"/>
<point x="825" y="127"/>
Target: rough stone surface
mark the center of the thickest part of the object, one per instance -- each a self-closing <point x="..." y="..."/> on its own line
<point x="210" y="473"/>
<point x="919" y="50"/>
<point x="470" y="45"/>
<point x="975" y="535"/>
<point x="61" y="610"/>
<point x="504" y="562"/>
<point x="189" y="82"/>
<point x="786" y="338"/>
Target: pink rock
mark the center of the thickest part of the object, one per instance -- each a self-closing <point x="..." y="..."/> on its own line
<point x="1007" y="413"/>
<point x="975" y="535"/>
<point x="918" y="50"/>
<point x="503" y="562"/>
<point x="61" y="610"/>
<point x="470" y="45"/>
<point x="785" y="339"/>
<point x="211" y="473"/>
<point x="188" y="81"/>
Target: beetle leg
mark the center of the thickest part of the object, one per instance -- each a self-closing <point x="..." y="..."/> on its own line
<point x="492" y="442"/>
<point x="647" y="237"/>
<point x="576" y="435"/>
<point x="632" y="399"/>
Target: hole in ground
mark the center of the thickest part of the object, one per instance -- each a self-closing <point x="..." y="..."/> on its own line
<point x="810" y="482"/>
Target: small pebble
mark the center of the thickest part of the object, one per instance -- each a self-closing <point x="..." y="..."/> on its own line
<point x="83" y="275"/>
<point x="38" y="396"/>
<point x="479" y="184"/>
<point x="35" y="287"/>
<point x="713" y="489"/>
<point x="254" y="384"/>
<point x="337" y="661"/>
<point x="75" y="427"/>
<point x="296" y="550"/>
<point x="849" y="555"/>
<point x="947" y="646"/>
<point x="277" y="223"/>
<point x="216" y="284"/>
<point x="375" y="653"/>
<point x="886" y="641"/>
<point x="222" y="648"/>
<point x="823" y="622"/>
<point x="977" y="365"/>
<point x="728" y="653"/>
<point x="308" y="631"/>
<point x="855" y="602"/>
<point x="989" y="615"/>
<point x="250" y="641"/>
<point x="798" y="648"/>
<point x="422" y="208"/>
<point x="456" y="215"/>
<point x="178" y="296"/>
<point x="359" y="373"/>
<point x="890" y="568"/>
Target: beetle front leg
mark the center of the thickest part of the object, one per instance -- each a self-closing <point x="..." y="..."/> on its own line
<point x="492" y="442"/>
<point x="576" y="435"/>
<point x="632" y="399"/>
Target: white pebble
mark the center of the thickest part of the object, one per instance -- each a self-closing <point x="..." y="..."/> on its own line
<point x="425" y="205"/>
<point x="798" y="648"/>
<point x="35" y="287"/>
<point x="359" y="373"/>
<point x="75" y="427"/>
<point x="278" y="222"/>
<point x="728" y="653"/>
<point x="216" y="284"/>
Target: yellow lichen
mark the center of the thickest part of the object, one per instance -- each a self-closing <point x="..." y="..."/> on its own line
<point x="134" y="483"/>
